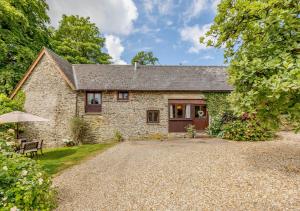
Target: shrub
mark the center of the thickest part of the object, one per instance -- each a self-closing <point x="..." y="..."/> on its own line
<point x="247" y="130"/>
<point x="191" y="130"/>
<point x="215" y="127"/>
<point x="69" y="143"/>
<point x="216" y="124"/>
<point x="23" y="185"/>
<point x="118" y="136"/>
<point x="79" y="130"/>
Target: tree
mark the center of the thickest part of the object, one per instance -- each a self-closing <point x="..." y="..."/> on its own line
<point x="23" y="32"/>
<point x="79" y="41"/>
<point x="144" y="58"/>
<point x="262" y="45"/>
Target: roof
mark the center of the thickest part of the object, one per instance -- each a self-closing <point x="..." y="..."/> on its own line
<point x="151" y="78"/>
<point x="143" y="78"/>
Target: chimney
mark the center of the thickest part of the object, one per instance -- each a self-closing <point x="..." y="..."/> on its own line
<point x="135" y="66"/>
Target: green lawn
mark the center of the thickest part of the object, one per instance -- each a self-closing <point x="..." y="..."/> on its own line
<point x="58" y="159"/>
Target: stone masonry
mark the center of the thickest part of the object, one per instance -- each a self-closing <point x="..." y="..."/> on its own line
<point x="49" y="96"/>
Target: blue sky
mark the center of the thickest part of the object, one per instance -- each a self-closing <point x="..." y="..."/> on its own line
<point x="168" y="28"/>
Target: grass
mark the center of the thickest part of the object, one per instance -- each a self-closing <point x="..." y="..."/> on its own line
<point x="55" y="160"/>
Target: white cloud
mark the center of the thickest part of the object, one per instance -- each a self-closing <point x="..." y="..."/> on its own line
<point x="192" y="34"/>
<point x="145" y="29"/>
<point x="169" y="23"/>
<point x="164" y="7"/>
<point x="199" y="6"/>
<point x="158" y="40"/>
<point x="113" y="16"/>
<point x="115" y="48"/>
<point x="207" y="57"/>
<point x="195" y="9"/>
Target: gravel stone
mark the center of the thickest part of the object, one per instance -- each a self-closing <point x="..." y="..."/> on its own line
<point x="198" y="174"/>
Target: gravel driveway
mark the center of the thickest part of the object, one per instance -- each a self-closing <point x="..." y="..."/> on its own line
<point x="202" y="174"/>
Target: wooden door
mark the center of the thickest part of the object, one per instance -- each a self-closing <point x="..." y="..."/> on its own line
<point x="200" y="116"/>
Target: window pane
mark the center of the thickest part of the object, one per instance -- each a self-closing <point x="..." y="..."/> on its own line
<point x="90" y="98"/>
<point x="188" y="111"/>
<point x="200" y="111"/>
<point x="155" y="116"/>
<point x="120" y="95"/>
<point x="150" y="116"/>
<point x="179" y="111"/>
<point x="97" y="99"/>
<point x="123" y="95"/>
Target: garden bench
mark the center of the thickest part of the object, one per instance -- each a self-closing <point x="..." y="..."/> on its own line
<point x="30" y="147"/>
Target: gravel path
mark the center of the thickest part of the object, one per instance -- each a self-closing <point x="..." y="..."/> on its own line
<point x="203" y="174"/>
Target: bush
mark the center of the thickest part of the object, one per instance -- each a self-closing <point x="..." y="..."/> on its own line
<point x="216" y="124"/>
<point x="215" y="127"/>
<point x="246" y="130"/>
<point x="69" y="143"/>
<point x="191" y="130"/>
<point x="118" y="136"/>
<point x="23" y="185"/>
<point x="79" y="130"/>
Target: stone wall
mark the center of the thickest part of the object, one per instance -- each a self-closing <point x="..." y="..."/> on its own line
<point x="49" y="96"/>
<point x="129" y="117"/>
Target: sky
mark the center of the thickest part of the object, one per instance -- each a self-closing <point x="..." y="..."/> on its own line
<point x="169" y="28"/>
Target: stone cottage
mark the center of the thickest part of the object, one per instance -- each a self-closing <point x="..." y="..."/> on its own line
<point x="137" y="101"/>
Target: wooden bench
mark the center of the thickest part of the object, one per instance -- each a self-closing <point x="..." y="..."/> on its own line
<point x="30" y="147"/>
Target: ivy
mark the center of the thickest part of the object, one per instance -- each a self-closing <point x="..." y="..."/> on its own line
<point x="217" y="103"/>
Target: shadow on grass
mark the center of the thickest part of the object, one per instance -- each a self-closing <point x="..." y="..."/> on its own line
<point x="50" y="155"/>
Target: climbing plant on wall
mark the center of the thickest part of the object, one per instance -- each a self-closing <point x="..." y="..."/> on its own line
<point x="217" y="103"/>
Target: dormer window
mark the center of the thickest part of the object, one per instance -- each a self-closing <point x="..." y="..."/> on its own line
<point x="123" y="95"/>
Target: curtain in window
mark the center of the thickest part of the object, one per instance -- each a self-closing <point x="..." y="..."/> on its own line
<point x="188" y="111"/>
<point x="171" y="112"/>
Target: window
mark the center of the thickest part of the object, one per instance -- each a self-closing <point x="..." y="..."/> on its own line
<point x="200" y="111"/>
<point x="180" y="111"/>
<point x="153" y="116"/>
<point x="123" y="95"/>
<point x="93" y="102"/>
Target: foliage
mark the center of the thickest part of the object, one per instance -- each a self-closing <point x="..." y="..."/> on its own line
<point x="191" y="130"/>
<point x="55" y="160"/>
<point x="261" y="41"/>
<point x="23" y="185"/>
<point x="217" y="103"/>
<point x="79" y="130"/>
<point x="144" y="58"/>
<point x="69" y="143"/>
<point x="79" y="41"/>
<point x="246" y="130"/>
<point x="23" y="32"/>
<point x="118" y="136"/>
<point x="8" y="105"/>
<point x="215" y="127"/>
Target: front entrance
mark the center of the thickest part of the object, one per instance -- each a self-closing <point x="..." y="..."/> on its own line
<point x="185" y="112"/>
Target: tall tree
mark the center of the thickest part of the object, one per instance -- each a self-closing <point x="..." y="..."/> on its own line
<point x="79" y="41"/>
<point x="144" y="58"/>
<point x="262" y="43"/>
<point x="23" y="32"/>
